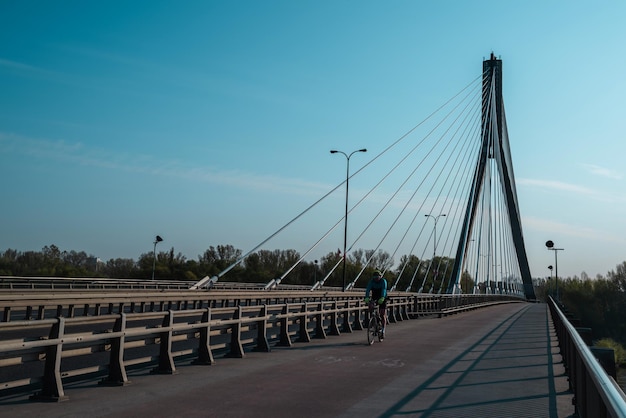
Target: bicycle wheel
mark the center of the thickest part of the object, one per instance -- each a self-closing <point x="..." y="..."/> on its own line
<point x="372" y="330"/>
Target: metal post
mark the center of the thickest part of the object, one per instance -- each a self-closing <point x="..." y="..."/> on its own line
<point x="550" y="246"/>
<point x="556" y="271"/>
<point x="435" y="232"/>
<point x="157" y="239"/>
<point x="434" y="247"/>
<point x="345" y="223"/>
<point x="550" y="268"/>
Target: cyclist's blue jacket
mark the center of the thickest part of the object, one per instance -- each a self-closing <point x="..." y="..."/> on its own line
<point x="378" y="289"/>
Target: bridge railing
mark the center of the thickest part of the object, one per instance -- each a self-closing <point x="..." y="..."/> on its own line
<point x="101" y="283"/>
<point x="86" y="283"/>
<point x="48" y="338"/>
<point x="34" y="304"/>
<point x="596" y="393"/>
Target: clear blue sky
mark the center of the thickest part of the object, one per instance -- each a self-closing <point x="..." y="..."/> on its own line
<point x="210" y="122"/>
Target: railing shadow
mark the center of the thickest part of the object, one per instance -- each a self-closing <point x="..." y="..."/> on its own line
<point x="502" y="367"/>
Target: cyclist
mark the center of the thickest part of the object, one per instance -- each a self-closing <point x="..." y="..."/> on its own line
<point x="378" y="286"/>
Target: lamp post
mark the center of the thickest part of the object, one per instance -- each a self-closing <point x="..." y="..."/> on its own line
<point x="434" y="246"/>
<point x="550" y="246"/>
<point x="550" y="268"/>
<point x="435" y="232"/>
<point x="345" y="221"/>
<point x="157" y="239"/>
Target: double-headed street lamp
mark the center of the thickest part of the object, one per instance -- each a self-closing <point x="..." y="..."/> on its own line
<point x="157" y="239"/>
<point x="550" y="246"/>
<point x="435" y="232"/>
<point x="434" y="246"/>
<point x="345" y="221"/>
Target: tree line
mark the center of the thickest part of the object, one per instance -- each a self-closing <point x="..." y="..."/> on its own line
<point x="259" y="267"/>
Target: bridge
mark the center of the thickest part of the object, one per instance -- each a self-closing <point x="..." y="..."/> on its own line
<point x="469" y="334"/>
<point x="441" y="198"/>
<point x="278" y="353"/>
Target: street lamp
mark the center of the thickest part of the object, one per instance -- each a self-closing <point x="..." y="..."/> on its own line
<point x="434" y="247"/>
<point x="345" y="221"/>
<point x="550" y="246"/>
<point x="435" y="232"/>
<point x="157" y="239"/>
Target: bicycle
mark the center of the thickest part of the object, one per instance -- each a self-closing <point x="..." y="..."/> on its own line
<point x="375" y="325"/>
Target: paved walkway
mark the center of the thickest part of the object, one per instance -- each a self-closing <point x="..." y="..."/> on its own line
<point x="500" y="361"/>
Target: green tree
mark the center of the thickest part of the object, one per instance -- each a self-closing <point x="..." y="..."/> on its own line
<point x="467" y="283"/>
<point x="121" y="268"/>
<point x="619" y="276"/>
<point x="217" y="259"/>
<point x="408" y="271"/>
<point x="380" y="259"/>
<point x="599" y="303"/>
<point x="618" y="349"/>
<point x="327" y="263"/>
<point x="8" y="261"/>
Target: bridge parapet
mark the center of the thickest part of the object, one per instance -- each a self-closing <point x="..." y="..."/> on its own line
<point x="596" y="393"/>
<point x="78" y="335"/>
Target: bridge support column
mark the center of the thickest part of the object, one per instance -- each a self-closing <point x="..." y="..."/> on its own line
<point x="303" y="320"/>
<point x="166" y="360"/>
<point x="346" y="317"/>
<point x="284" y="340"/>
<point x="334" y="329"/>
<point x="52" y="390"/>
<point x="261" y="339"/>
<point x="319" y="326"/>
<point x="358" y="324"/>
<point x="391" y="314"/>
<point x="236" y="348"/>
<point x="205" y="356"/>
<point x="404" y="311"/>
<point x="117" y="370"/>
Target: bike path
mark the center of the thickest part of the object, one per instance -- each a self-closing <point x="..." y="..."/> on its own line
<point x="497" y="361"/>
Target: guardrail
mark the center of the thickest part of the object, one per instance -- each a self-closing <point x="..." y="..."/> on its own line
<point x="93" y="283"/>
<point x="596" y="394"/>
<point x="49" y="337"/>
<point x="102" y="283"/>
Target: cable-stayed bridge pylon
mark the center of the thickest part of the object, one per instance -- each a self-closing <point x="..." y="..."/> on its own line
<point x="495" y="147"/>
<point x="436" y="210"/>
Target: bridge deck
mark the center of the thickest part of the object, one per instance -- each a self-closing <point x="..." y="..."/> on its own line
<point x="497" y="361"/>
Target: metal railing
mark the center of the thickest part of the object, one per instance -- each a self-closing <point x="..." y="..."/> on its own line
<point x="596" y="394"/>
<point x="86" y="283"/>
